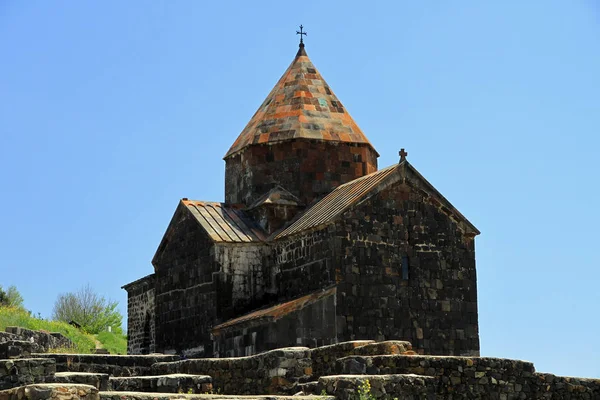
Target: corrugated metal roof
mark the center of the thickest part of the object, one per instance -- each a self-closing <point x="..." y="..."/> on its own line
<point x="337" y="201"/>
<point x="277" y="311"/>
<point x="225" y="223"/>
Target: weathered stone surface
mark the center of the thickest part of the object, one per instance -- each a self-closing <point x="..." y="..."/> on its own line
<point x="45" y="340"/>
<point x="18" y="348"/>
<point x="114" y="365"/>
<point x="402" y="261"/>
<point x="51" y="391"/>
<point x="307" y="321"/>
<point x="437" y="365"/>
<point x="346" y="387"/>
<point x="141" y="317"/>
<point x="477" y="378"/>
<point x="25" y="371"/>
<point x="389" y="347"/>
<point x="324" y="358"/>
<point x="276" y="371"/>
<point x="98" y="380"/>
<point x="293" y="370"/>
<point x="298" y="166"/>
<point x="5" y="337"/>
<point x="432" y="302"/>
<point x="173" y="383"/>
<point x="19" y="342"/>
<point x="173" y="396"/>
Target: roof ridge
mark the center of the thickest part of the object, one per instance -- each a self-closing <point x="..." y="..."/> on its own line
<point x="366" y="176"/>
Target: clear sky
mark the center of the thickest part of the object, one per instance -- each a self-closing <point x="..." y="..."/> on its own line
<point x="112" y="111"/>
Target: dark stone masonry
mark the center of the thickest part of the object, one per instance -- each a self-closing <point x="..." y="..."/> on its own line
<point x="389" y="369"/>
<point x="313" y="246"/>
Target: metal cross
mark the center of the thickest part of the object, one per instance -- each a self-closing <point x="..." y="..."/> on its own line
<point x="402" y="155"/>
<point x="300" y="32"/>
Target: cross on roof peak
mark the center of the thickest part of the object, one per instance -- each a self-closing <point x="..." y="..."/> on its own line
<point x="402" y="155"/>
<point x="301" y="32"/>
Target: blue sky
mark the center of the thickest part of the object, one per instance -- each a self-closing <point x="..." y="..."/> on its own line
<point x="112" y="111"/>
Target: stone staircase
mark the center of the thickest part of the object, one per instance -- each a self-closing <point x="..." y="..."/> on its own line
<point x="172" y="383"/>
<point x="386" y="370"/>
<point x="97" y="380"/>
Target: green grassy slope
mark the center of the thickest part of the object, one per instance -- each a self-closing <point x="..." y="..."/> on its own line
<point x="115" y="343"/>
<point x="84" y="343"/>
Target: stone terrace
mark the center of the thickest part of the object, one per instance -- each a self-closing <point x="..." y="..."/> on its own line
<point x="391" y="369"/>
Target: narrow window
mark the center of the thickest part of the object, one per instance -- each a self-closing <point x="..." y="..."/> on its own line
<point x="405" y="267"/>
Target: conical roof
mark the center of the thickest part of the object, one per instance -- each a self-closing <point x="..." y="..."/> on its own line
<point x="300" y="106"/>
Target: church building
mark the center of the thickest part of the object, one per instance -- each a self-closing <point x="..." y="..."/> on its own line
<point x="313" y="245"/>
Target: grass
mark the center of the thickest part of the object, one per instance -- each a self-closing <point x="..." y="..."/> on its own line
<point x="11" y="316"/>
<point x="113" y="342"/>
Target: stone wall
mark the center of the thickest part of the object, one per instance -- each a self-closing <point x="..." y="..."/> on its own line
<point x="407" y="271"/>
<point x="114" y="365"/>
<point x="186" y="288"/>
<point x="339" y="370"/>
<point x="198" y="284"/>
<point x="303" y="263"/>
<point x="45" y="340"/>
<point x="298" y="166"/>
<point x="276" y="371"/>
<point x="310" y="323"/>
<point x="469" y="378"/>
<point x="325" y="359"/>
<point x="25" y="371"/>
<point x="51" y="391"/>
<point x="141" y="335"/>
<point x="245" y="278"/>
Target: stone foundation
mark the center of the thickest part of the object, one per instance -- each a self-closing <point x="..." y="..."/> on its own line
<point x="276" y="371"/>
<point x="113" y="365"/>
<point x="46" y="340"/>
<point x="20" y="372"/>
<point x="336" y="371"/>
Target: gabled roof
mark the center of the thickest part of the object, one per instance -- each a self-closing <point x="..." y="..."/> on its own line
<point x="300" y="106"/>
<point x="224" y="223"/>
<point x="337" y="202"/>
<point x="276" y="312"/>
<point x="349" y="194"/>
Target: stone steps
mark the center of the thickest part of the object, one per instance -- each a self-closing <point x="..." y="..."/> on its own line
<point x="174" y="396"/>
<point x="48" y="391"/>
<point x="469" y="367"/>
<point x="171" y="383"/>
<point x="99" y="381"/>
<point x="114" y="365"/>
<point x="386" y="348"/>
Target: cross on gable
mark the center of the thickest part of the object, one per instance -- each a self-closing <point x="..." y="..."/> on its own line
<point x="402" y="155"/>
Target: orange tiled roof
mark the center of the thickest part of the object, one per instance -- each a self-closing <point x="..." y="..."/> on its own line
<point x="301" y="105"/>
<point x="277" y="311"/>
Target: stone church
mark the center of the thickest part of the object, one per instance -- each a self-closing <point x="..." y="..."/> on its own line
<point x="313" y="245"/>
